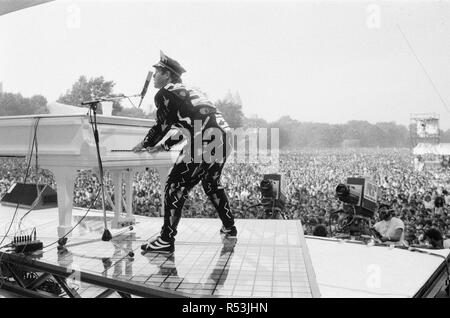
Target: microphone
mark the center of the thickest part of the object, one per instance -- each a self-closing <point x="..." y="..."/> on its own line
<point x="144" y="89"/>
<point x="92" y="102"/>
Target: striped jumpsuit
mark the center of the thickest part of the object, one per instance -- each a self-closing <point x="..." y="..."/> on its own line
<point x="182" y="107"/>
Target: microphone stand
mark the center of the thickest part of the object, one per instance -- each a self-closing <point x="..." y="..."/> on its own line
<point x="93" y="107"/>
<point x="109" y="99"/>
<point x="93" y="104"/>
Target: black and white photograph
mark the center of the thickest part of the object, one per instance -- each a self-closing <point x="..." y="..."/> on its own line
<point x="227" y="153"/>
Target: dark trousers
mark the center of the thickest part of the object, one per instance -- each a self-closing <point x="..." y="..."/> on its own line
<point x="182" y="178"/>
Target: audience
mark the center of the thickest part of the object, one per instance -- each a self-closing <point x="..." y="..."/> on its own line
<point x="419" y="198"/>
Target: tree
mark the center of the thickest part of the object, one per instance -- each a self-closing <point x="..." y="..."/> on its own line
<point x="254" y="122"/>
<point x="445" y="135"/>
<point x="231" y="109"/>
<point x="15" y="104"/>
<point x="287" y="131"/>
<point x="39" y="104"/>
<point x="85" y="90"/>
<point x="324" y="135"/>
<point x="392" y="135"/>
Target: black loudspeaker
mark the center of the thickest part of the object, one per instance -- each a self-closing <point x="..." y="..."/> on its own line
<point x="29" y="195"/>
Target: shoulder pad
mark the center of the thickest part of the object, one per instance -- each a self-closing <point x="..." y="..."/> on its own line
<point x="178" y="89"/>
<point x="206" y="109"/>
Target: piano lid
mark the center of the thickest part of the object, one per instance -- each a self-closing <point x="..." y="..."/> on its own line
<point x="69" y="135"/>
<point x="112" y="120"/>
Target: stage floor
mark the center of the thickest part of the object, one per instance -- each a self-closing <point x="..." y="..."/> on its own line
<point x="269" y="258"/>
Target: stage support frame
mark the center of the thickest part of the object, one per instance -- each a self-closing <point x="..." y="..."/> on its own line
<point x="14" y="264"/>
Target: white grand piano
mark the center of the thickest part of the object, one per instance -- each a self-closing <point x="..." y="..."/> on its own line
<point x="66" y="145"/>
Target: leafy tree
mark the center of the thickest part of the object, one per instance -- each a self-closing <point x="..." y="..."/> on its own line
<point x="254" y="122"/>
<point x="445" y="136"/>
<point x="288" y="128"/>
<point x="15" y="104"/>
<point x="392" y="135"/>
<point x="85" y="90"/>
<point x="356" y="133"/>
<point x="39" y="104"/>
<point x="231" y="111"/>
<point x="324" y="135"/>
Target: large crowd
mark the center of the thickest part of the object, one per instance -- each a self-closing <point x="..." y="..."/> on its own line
<point x="310" y="177"/>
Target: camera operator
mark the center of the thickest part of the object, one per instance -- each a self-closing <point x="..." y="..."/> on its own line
<point x="273" y="207"/>
<point x="389" y="229"/>
<point x="320" y="230"/>
<point x="436" y="240"/>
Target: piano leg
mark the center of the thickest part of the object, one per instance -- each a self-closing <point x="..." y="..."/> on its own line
<point x="163" y="175"/>
<point x="117" y="177"/>
<point x="129" y="178"/>
<point x="65" y="179"/>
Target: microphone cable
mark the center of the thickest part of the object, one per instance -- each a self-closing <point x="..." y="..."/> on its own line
<point x="78" y="223"/>
<point x="25" y="179"/>
<point x="17" y="206"/>
<point x="39" y="193"/>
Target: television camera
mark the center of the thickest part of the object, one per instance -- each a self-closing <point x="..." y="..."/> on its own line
<point x="272" y="198"/>
<point x="359" y="197"/>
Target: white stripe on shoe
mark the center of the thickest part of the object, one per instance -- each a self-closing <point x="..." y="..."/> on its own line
<point x="159" y="245"/>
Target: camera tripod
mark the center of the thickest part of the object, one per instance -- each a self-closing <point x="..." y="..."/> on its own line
<point x="270" y="210"/>
<point x="354" y="225"/>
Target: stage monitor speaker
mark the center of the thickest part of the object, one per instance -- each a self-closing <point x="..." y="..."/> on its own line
<point x="27" y="195"/>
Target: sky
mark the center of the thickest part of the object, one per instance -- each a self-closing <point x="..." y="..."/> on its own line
<point x="316" y="61"/>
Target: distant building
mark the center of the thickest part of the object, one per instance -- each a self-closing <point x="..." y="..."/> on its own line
<point x="1" y="87"/>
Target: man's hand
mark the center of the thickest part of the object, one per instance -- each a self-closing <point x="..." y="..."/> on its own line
<point x="157" y="148"/>
<point x="375" y="232"/>
<point x="138" y="147"/>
